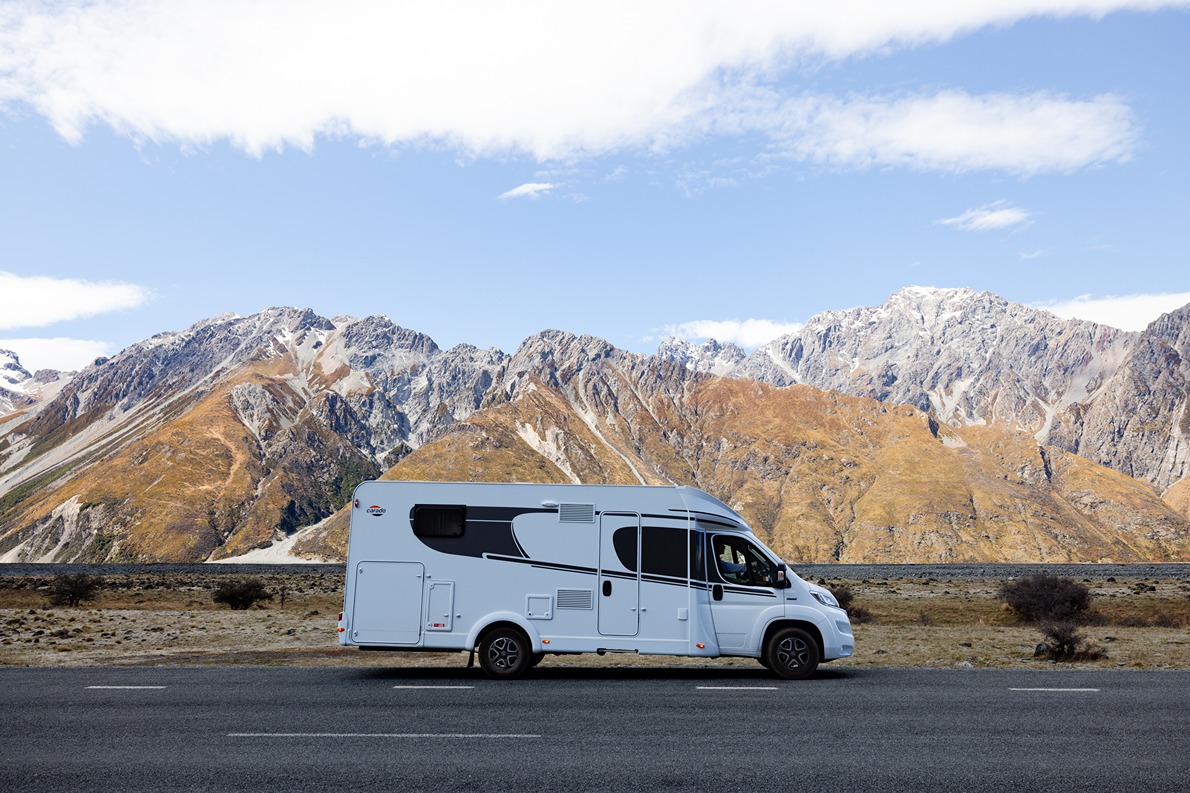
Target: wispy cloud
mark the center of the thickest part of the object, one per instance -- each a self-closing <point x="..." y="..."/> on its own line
<point x="193" y="73"/>
<point x="63" y="354"/>
<point x="990" y="217"/>
<point x="1127" y="312"/>
<point x="955" y="131"/>
<point x="37" y="301"/>
<point x="746" y="333"/>
<point x="528" y="190"/>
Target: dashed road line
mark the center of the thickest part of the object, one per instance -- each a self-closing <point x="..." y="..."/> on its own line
<point x="736" y="688"/>
<point x="378" y="735"/>
<point x="1053" y="689"/>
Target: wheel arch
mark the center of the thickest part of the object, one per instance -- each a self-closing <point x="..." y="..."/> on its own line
<point x="808" y="627"/>
<point x="506" y="620"/>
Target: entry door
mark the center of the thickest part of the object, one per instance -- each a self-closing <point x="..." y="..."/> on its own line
<point x="387" y="608"/>
<point x="619" y="573"/>
<point x="740" y="577"/>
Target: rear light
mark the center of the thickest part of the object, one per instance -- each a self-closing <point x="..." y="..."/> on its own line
<point x="340" y="616"/>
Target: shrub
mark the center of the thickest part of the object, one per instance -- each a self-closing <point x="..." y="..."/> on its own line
<point x="1065" y="643"/>
<point x="243" y="594"/>
<point x="1046" y="598"/>
<point x="845" y="596"/>
<point x="860" y="615"/>
<point x="73" y="588"/>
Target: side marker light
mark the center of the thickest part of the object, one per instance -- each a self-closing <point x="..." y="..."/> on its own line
<point x="700" y="646"/>
<point x="545" y="641"/>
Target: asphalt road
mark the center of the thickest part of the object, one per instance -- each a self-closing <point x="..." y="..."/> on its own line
<point x="277" y="729"/>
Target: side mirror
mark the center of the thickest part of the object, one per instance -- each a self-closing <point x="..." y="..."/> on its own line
<point x="783" y="581"/>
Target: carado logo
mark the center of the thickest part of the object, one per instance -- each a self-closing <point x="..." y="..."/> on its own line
<point x="376" y="510"/>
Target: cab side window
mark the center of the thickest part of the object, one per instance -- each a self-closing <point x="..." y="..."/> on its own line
<point x="740" y="562"/>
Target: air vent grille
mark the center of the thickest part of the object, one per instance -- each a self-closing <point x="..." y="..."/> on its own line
<point x="576" y="513"/>
<point x="575" y="599"/>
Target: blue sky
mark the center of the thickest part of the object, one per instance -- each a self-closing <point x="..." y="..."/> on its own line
<point x="482" y="171"/>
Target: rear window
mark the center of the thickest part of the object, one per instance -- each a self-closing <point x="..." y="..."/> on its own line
<point x="437" y="520"/>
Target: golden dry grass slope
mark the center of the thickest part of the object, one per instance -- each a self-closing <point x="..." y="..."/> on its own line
<point x="201" y="486"/>
<point x="821" y="476"/>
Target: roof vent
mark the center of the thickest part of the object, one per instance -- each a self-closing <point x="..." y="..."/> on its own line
<point x="576" y="513"/>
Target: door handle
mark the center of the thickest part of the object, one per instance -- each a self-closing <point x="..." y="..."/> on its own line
<point x="717" y="592"/>
<point x="607" y="588"/>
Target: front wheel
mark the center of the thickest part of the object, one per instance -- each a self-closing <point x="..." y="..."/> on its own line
<point x="792" y="654"/>
<point x="505" y="653"/>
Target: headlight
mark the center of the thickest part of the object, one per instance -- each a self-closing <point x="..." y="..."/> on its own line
<point x="825" y="598"/>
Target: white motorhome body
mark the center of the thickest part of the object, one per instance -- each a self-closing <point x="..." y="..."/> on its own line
<point x="521" y="570"/>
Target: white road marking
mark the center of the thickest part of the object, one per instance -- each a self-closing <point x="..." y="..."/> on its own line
<point x="132" y="688"/>
<point x="452" y="687"/>
<point x="1053" y="689"/>
<point x="377" y="735"/>
<point x="736" y="688"/>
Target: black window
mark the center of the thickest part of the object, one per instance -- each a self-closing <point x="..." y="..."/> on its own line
<point x="663" y="551"/>
<point x="438" y="520"/>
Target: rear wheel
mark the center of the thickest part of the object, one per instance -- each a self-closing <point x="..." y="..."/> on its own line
<point x="792" y="654"/>
<point x="505" y="653"/>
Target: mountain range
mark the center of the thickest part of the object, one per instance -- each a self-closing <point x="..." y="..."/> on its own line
<point x="943" y="425"/>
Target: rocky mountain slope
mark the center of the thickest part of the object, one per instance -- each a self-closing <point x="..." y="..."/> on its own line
<point x="971" y="358"/>
<point x="20" y="390"/>
<point x="239" y="431"/>
<point x="1140" y="422"/>
<point x="209" y="441"/>
<point x="821" y="476"/>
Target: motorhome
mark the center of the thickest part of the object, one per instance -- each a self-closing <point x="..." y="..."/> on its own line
<point x="517" y="571"/>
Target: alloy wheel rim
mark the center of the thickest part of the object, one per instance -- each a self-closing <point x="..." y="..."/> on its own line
<point x="503" y="653"/>
<point x="793" y="652"/>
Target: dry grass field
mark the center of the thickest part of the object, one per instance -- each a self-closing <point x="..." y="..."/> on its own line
<point x="157" y="619"/>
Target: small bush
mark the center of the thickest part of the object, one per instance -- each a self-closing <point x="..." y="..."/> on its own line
<point x="1065" y="643"/>
<point x="1167" y="621"/>
<point x="845" y="596"/>
<point x="73" y="588"/>
<point x="860" y="615"/>
<point x="1046" y="598"/>
<point x="243" y="594"/>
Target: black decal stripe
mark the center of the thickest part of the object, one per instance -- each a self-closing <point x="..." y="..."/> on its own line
<point x="568" y="568"/>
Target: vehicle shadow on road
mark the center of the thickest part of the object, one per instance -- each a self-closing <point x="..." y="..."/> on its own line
<point x="463" y="675"/>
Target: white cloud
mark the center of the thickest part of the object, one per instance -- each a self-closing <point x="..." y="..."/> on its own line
<point x="990" y="217"/>
<point x="556" y="80"/>
<point x="1127" y="312"/>
<point x="65" y="355"/>
<point x="955" y="131"/>
<point x="36" y="301"/>
<point x="746" y="333"/>
<point x="529" y="190"/>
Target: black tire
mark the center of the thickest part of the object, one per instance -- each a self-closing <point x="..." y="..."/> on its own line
<point x="505" y="653"/>
<point x="792" y="654"/>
